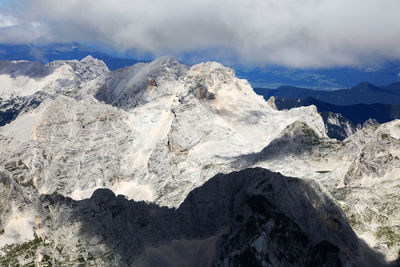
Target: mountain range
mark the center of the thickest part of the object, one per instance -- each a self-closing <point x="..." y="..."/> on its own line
<point x="269" y="76"/>
<point x="358" y="114"/>
<point x="162" y="164"/>
<point x="362" y="93"/>
<point x="327" y="79"/>
<point x="61" y="51"/>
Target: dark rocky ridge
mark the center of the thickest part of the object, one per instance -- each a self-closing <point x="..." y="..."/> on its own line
<point x="249" y="218"/>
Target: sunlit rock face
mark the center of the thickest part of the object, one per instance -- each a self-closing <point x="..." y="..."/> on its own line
<point x="151" y="131"/>
<point x="156" y="131"/>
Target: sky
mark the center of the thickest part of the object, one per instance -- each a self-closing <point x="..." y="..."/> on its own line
<point x="293" y="33"/>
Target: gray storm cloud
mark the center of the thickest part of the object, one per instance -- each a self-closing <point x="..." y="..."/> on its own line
<point x="298" y="33"/>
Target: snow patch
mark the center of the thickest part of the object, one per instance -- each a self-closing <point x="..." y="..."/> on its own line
<point x="19" y="229"/>
<point x="133" y="190"/>
<point x="394" y="130"/>
<point x="130" y="189"/>
<point x="23" y="128"/>
<point x="369" y="238"/>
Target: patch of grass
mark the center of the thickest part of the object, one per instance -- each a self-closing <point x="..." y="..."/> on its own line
<point x="307" y="131"/>
<point x="14" y="251"/>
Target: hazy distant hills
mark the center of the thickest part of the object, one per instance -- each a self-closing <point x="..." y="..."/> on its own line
<point x="363" y="93"/>
<point x="325" y="78"/>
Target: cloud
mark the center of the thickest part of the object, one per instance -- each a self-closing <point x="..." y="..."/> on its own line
<point x="6" y="21"/>
<point x="300" y="33"/>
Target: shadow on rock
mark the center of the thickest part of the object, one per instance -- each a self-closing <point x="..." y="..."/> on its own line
<point x="296" y="140"/>
<point x="252" y="217"/>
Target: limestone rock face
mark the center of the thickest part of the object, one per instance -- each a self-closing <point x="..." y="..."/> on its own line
<point x="151" y="131"/>
<point x="141" y="83"/>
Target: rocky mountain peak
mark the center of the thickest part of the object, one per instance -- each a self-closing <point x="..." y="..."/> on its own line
<point x="272" y="102"/>
<point x="141" y="83"/>
<point x="86" y="69"/>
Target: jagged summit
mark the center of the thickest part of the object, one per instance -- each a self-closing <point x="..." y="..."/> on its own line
<point x="141" y="83"/>
<point x="24" y="79"/>
<point x="24" y="85"/>
<point x="89" y="59"/>
<point x="86" y="69"/>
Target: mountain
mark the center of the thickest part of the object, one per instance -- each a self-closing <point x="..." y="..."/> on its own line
<point x="64" y="51"/>
<point x="336" y="125"/>
<point x="158" y="132"/>
<point x="156" y="122"/>
<point x="24" y="84"/>
<point x="363" y="93"/>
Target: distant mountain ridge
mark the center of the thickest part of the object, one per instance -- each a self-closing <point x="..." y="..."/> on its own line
<point x="321" y="79"/>
<point x="268" y="76"/>
<point x="362" y="93"/>
<point x="357" y="114"/>
<point x="52" y="52"/>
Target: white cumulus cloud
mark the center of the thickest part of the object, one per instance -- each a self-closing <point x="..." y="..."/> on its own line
<point x="6" y="21"/>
